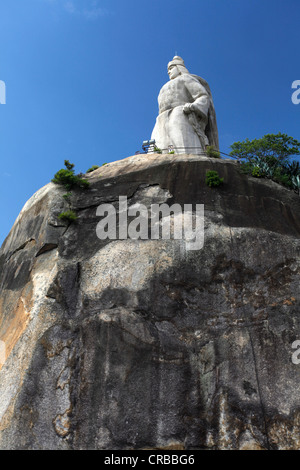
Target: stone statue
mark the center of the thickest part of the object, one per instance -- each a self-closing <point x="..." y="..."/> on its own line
<point x="187" y="118"/>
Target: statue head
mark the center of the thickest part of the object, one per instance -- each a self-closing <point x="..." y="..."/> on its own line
<point x="176" y="67"/>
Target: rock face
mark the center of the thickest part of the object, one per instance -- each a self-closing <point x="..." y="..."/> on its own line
<point x="126" y="344"/>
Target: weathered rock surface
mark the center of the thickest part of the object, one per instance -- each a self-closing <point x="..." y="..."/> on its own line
<point x="140" y="344"/>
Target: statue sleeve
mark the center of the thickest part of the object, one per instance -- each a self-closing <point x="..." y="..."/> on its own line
<point x="199" y="96"/>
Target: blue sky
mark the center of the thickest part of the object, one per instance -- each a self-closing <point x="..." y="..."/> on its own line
<point x="82" y="78"/>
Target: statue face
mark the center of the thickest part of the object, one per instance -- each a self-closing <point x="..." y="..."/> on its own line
<point x="173" y="71"/>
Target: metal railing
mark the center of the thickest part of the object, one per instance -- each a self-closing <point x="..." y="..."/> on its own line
<point x="169" y="150"/>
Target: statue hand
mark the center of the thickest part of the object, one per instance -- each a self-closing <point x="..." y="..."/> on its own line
<point x="188" y="108"/>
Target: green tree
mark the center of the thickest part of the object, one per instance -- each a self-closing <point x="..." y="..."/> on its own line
<point x="69" y="165"/>
<point x="67" y="178"/>
<point x="271" y="146"/>
<point x="268" y="157"/>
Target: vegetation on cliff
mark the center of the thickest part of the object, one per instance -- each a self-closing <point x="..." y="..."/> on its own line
<point x="67" y="178"/>
<point x="269" y="157"/>
<point x="213" y="179"/>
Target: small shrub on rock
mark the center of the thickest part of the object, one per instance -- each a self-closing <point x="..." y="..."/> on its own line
<point x="69" y="216"/>
<point x="67" y="178"/>
<point x="93" y="168"/>
<point x="212" y="152"/>
<point x="256" y="172"/>
<point x="213" y="179"/>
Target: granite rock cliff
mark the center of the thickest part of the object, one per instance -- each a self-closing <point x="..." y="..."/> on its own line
<point x="143" y="344"/>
